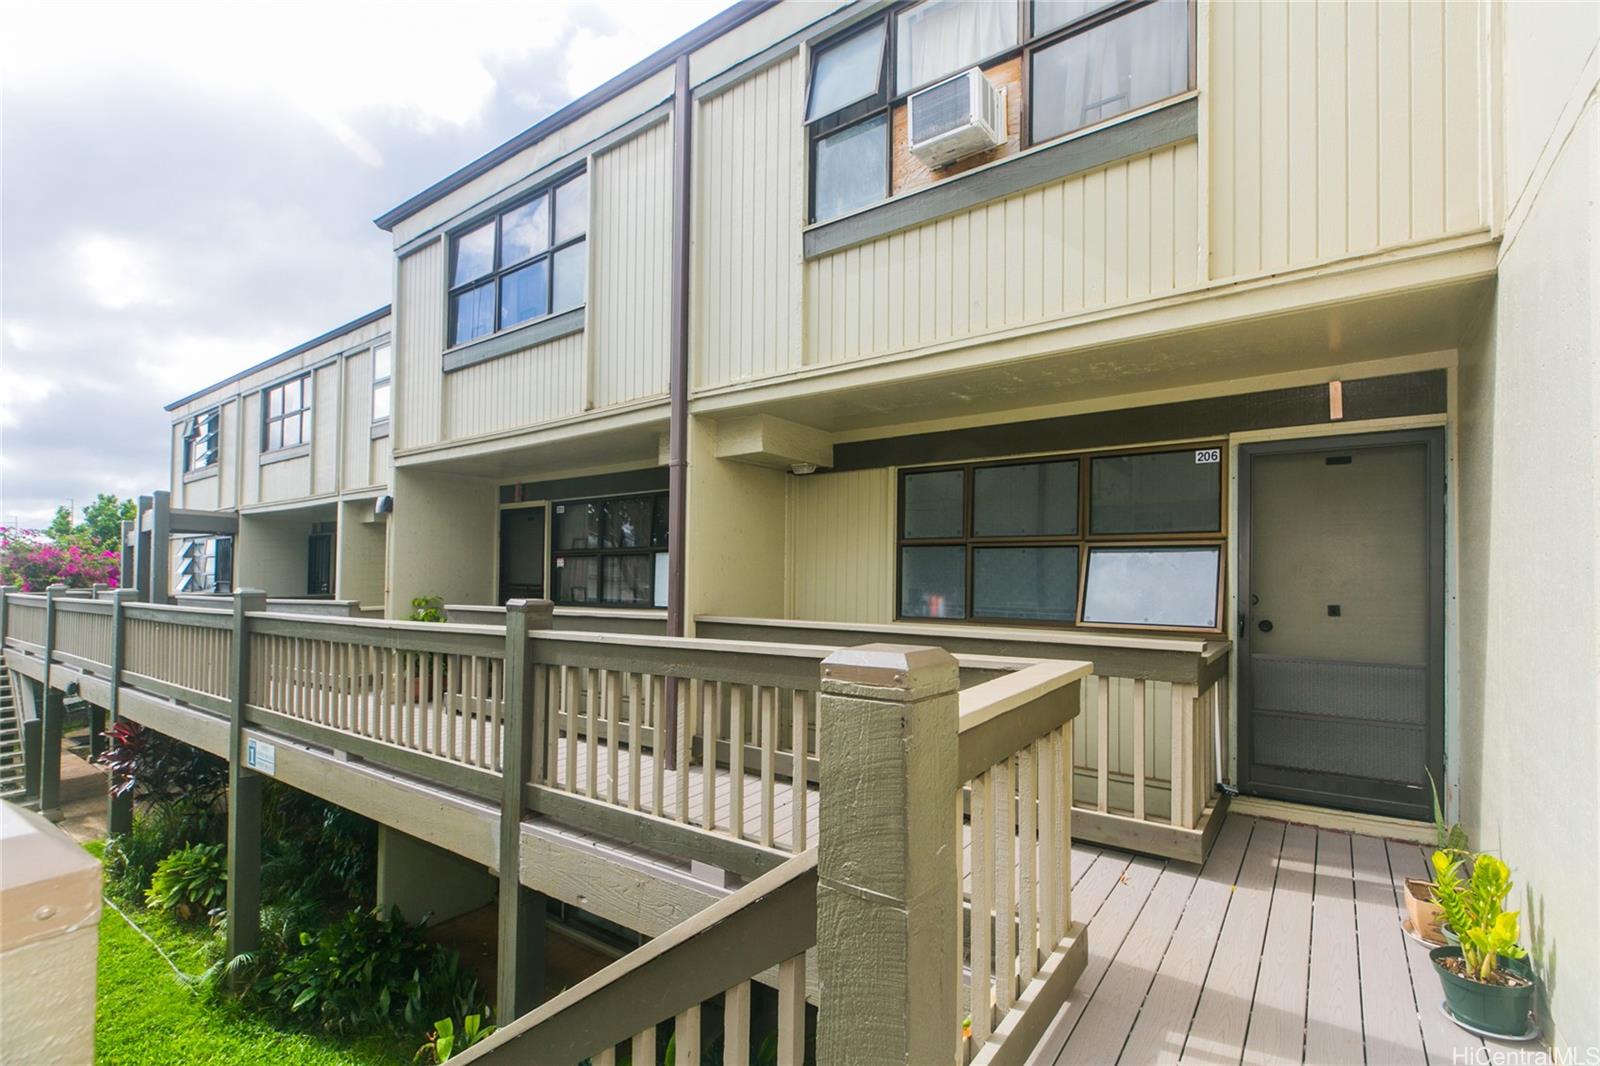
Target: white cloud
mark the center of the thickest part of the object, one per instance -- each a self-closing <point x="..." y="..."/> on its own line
<point x="116" y="273"/>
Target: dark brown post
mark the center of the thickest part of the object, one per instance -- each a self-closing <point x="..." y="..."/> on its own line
<point x="245" y="788"/>
<point x="52" y="711"/>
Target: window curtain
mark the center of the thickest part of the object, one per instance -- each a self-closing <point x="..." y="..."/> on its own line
<point x="1115" y="67"/>
<point x="943" y="37"/>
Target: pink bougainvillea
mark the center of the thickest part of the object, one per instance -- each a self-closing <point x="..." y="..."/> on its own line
<point x="31" y="562"/>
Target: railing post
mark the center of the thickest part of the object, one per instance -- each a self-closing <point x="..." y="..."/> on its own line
<point x="5" y="593"/>
<point x="520" y="956"/>
<point x="887" y="868"/>
<point x="141" y="551"/>
<point x="127" y="575"/>
<point x="161" y="546"/>
<point x="119" y="809"/>
<point x="244" y="791"/>
<point x="51" y="714"/>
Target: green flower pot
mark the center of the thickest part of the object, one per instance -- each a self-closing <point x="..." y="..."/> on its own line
<point x="1492" y="1008"/>
<point x="1449" y="934"/>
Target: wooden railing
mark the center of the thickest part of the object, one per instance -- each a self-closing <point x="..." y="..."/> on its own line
<point x="1149" y="747"/>
<point x="694" y="986"/>
<point x="178" y="650"/>
<point x="1015" y="750"/>
<point x="25" y="618"/>
<point x="84" y="631"/>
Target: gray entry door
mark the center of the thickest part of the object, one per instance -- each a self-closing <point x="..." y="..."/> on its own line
<point x="1341" y="649"/>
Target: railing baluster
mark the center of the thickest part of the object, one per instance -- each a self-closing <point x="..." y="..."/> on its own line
<point x="800" y="794"/>
<point x="680" y="709"/>
<point x="736" y="734"/>
<point x="1138" y="747"/>
<point x="613" y="694"/>
<point x="686" y="1030"/>
<point x="982" y="892"/>
<point x="736" y="1025"/>
<point x="591" y="731"/>
<point x="644" y="1047"/>
<point x="1102" y="724"/>
<point x="792" y="1012"/>
<point x="1027" y="866"/>
<point x="768" y="701"/>
<point x="708" y="751"/>
<point x="658" y="777"/>
<point x="636" y="688"/>
<point x="570" y="679"/>
<point x="1048" y="783"/>
<point x="1004" y="800"/>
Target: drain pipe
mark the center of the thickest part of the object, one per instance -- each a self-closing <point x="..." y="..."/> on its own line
<point x="678" y="426"/>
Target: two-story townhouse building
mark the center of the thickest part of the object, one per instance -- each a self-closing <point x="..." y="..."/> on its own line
<point x="297" y="448"/>
<point x="1258" y="337"/>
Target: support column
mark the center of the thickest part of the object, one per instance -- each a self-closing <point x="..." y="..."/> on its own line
<point x="30" y="710"/>
<point x="53" y="712"/>
<point x="887" y="868"/>
<point x="160" y="547"/>
<point x="244" y="792"/>
<point x="520" y="958"/>
<point x="141" y="551"/>
<point x="119" y="809"/>
<point x="127" y="564"/>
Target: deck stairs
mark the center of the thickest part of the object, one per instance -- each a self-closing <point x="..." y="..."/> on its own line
<point x="11" y="781"/>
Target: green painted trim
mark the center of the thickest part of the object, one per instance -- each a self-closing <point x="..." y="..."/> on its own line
<point x="1172" y="124"/>
<point x="515" y="339"/>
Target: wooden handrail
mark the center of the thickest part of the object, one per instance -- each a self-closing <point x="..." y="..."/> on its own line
<point x="1006" y="715"/>
<point x="769" y="921"/>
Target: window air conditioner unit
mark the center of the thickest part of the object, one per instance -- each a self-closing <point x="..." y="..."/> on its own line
<point x="958" y="117"/>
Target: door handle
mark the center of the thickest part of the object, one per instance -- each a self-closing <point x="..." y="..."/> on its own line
<point x="1265" y="625"/>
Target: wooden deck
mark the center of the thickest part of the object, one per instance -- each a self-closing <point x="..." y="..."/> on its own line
<point x="1285" y="947"/>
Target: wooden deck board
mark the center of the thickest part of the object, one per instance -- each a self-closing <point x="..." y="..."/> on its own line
<point x="1285" y="948"/>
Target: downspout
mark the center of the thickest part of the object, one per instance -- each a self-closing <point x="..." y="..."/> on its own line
<point x="678" y="388"/>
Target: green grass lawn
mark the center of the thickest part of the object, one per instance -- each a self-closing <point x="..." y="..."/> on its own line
<point x="145" y="1015"/>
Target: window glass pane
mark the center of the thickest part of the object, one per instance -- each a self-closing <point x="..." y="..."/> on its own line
<point x="291" y="431"/>
<point x="933" y="582"/>
<point x="944" y="37"/>
<point x="658" y="523"/>
<point x="1117" y="66"/>
<point x="274" y="403"/>
<point x="1158" y="492"/>
<point x="932" y="504"/>
<point x="577" y="579"/>
<point x="628" y="523"/>
<point x="572" y="208"/>
<point x="627" y="579"/>
<point x="473" y="312"/>
<point x="274" y="435"/>
<point x="661" y="581"/>
<point x="524" y="231"/>
<point x="578" y="525"/>
<point x="852" y="168"/>
<point x="846" y="72"/>
<point x="380" y="402"/>
<point x="1053" y="14"/>
<point x="1027" y="583"/>
<point x="305" y="426"/>
<point x="474" y="254"/>
<point x="572" y="264"/>
<point x="382" y="362"/>
<point x="1152" y="586"/>
<point x="524" y="294"/>
<point x="291" y="395"/>
<point x="1028" y="500"/>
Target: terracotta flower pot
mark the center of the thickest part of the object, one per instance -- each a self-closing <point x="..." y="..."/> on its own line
<point x="1425" y="914"/>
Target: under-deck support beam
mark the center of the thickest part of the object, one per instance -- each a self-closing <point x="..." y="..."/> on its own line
<point x="51" y="713"/>
<point x="119" y="809"/>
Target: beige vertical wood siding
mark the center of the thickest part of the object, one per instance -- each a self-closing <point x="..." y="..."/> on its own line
<point x="841" y="545"/>
<point x="524" y="388"/>
<point x="749" y="211"/>
<point x="1123" y="233"/>
<point x="631" y="246"/>
<point x="1340" y="128"/>
<point x="419" y="340"/>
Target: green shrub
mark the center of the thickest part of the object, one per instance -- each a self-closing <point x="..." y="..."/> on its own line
<point x="131" y="858"/>
<point x="190" y="882"/>
<point x="427" y="609"/>
<point x="367" y="969"/>
<point x="316" y="849"/>
<point x="445" y="1040"/>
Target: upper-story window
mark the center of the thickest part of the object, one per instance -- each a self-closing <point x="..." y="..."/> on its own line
<point x="527" y="262"/>
<point x="382" y="375"/>
<point x="286" y="411"/>
<point x="200" y="439"/>
<point x="1009" y="542"/>
<point x="1086" y="61"/>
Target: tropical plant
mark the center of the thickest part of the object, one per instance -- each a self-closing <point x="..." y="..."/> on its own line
<point x="156" y="769"/>
<point x="1475" y="908"/>
<point x="131" y="858"/>
<point x="443" y="1041"/>
<point x="369" y="969"/>
<point x="101" y="527"/>
<point x="1448" y="836"/>
<point x="190" y="882"/>
<point x="315" y="849"/>
<point x="427" y="609"/>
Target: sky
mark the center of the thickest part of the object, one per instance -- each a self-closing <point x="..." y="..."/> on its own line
<point x="188" y="188"/>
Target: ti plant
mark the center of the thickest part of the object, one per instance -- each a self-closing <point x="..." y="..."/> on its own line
<point x="1475" y="908"/>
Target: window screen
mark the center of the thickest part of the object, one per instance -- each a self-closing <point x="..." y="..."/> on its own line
<point x="1156" y="492"/>
<point x="1035" y="584"/>
<point x="932" y="504"/>
<point x="933" y="582"/>
<point x="1025" y="499"/>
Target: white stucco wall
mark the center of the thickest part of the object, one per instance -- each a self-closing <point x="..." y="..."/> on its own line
<point x="1530" y="500"/>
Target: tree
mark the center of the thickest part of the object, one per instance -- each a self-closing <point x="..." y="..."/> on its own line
<point x="101" y="528"/>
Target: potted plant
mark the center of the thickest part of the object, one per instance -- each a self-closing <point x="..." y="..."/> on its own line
<point x="1486" y="979"/>
<point x="1423" y="912"/>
